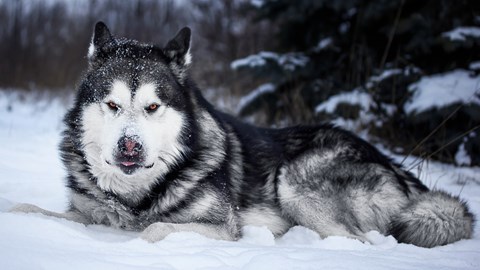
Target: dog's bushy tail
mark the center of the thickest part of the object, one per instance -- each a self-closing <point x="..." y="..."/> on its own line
<point x="433" y="218"/>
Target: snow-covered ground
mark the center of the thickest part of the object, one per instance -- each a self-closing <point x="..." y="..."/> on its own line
<point x="30" y="171"/>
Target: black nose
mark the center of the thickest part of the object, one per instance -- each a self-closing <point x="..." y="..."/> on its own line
<point x="129" y="146"/>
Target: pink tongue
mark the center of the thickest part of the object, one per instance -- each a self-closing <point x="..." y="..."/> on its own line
<point x="128" y="163"/>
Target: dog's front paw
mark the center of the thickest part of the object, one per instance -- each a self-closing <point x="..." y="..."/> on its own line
<point x="26" y="208"/>
<point x="157" y="231"/>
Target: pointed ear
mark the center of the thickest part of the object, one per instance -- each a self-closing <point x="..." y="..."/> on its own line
<point x="178" y="49"/>
<point x="101" y="36"/>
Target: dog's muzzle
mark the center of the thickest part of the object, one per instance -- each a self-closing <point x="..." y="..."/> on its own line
<point x="130" y="154"/>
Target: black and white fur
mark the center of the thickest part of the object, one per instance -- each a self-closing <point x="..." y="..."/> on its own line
<point x="145" y="151"/>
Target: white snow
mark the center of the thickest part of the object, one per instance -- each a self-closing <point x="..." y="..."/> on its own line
<point x="460" y="33"/>
<point x="474" y="65"/>
<point x="261" y="90"/>
<point x="441" y="90"/>
<point x="288" y="61"/>
<point x="251" y="60"/>
<point x="323" y="44"/>
<point x="355" y="97"/>
<point x="257" y="3"/>
<point x="462" y="157"/>
<point x="31" y="172"/>
<point x="374" y="80"/>
<point x="386" y="74"/>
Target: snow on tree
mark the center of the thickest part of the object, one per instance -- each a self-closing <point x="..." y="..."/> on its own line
<point x="385" y="50"/>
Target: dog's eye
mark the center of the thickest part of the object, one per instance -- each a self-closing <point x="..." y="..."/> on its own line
<point x="113" y="106"/>
<point x="152" y="107"/>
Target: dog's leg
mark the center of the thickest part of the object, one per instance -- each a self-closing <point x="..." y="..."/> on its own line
<point x="336" y="198"/>
<point x="158" y="231"/>
<point x="30" y="208"/>
<point x="318" y="214"/>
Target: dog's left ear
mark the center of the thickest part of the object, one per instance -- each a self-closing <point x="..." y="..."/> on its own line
<point x="177" y="50"/>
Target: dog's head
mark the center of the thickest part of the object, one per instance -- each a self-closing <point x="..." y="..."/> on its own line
<point x="132" y="107"/>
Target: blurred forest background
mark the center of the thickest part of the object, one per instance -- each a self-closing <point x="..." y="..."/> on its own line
<point x="405" y="72"/>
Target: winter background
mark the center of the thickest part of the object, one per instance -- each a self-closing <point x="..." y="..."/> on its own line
<point x="412" y="89"/>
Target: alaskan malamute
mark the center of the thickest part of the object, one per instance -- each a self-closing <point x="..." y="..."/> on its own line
<point x="145" y="151"/>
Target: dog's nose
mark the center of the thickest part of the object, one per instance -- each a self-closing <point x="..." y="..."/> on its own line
<point x="129" y="146"/>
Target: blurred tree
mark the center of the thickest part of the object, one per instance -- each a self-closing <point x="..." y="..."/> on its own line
<point x="44" y="42"/>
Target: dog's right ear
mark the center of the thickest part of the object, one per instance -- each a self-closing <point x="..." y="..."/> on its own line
<point x="177" y="51"/>
<point x="101" y="36"/>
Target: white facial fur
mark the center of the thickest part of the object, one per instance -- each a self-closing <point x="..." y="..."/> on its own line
<point x="91" y="50"/>
<point x="158" y="132"/>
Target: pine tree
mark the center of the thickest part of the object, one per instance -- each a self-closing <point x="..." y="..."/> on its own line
<point x="373" y="49"/>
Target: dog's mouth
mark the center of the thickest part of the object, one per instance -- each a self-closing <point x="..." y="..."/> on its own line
<point x="129" y="167"/>
<point x="128" y="163"/>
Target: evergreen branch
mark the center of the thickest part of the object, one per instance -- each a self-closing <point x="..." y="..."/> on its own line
<point x="433" y="132"/>
<point x="445" y="145"/>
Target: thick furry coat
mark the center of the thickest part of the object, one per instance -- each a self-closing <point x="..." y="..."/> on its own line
<point x="145" y="151"/>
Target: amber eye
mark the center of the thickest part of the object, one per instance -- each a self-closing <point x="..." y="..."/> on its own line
<point x="112" y="105"/>
<point x="152" y="107"/>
